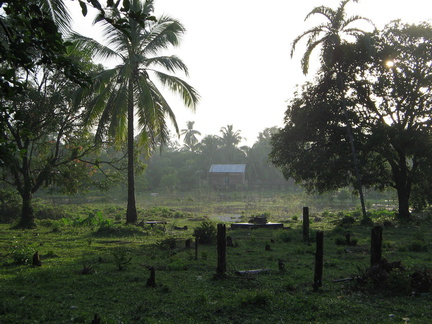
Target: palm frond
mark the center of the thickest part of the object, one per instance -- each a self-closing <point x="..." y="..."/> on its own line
<point x="188" y="94"/>
<point x="327" y="12"/>
<point x="59" y="13"/>
<point x="93" y="47"/>
<point x="170" y="63"/>
<point x="162" y="35"/>
<point x="307" y="54"/>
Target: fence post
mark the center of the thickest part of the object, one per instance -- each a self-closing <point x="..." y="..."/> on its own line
<point x="306" y="224"/>
<point x="221" y="250"/>
<point x="196" y="248"/>
<point x="376" y="241"/>
<point x="319" y="256"/>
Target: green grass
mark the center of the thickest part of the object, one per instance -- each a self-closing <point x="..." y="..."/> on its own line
<point x="80" y="274"/>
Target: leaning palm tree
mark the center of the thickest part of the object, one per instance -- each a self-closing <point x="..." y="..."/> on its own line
<point x="190" y="136"/>
<point x="331" y="36"/>
<point x="133" y="87"/>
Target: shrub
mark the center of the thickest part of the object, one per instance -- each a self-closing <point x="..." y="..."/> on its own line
<point x="22" y="254"/>
<point x="121" y="257"/>
<point x="346" y="221"/>
<point x="167" y="244"/>
<point x="206" y="233"/>
<point x="10" y="206"/>
<point x="418" y="246"/>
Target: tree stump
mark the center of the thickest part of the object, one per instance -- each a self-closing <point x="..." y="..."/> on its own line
<point x="229" y="241"/>
<point x="96" y="319"/>
<point x="306" y="224"/>
<point x="319" y="256"/>
<point x="221" y="250"/>
<point x="151" y="281"/>
<point x="188" y="243"/>
<point x="36" y="260"/>
<point x="376" y="241"/>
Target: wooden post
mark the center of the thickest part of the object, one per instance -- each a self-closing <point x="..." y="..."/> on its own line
<point x="196" y="248"/>
<point x="96" y="319"/>
<point x="151" y="281"/>
<point x="306" y="224"/>
<point x="348" y="239"/>
<point x="376" y="241"/>
<point x="221" y="250"/>
<point x="36" y="262"/>
<point x="188" y="243"/>
<point x="319" y="256"/>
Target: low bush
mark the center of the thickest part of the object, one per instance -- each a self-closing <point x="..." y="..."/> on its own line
<point x="206" y="232"/>
<point x="10" y="206"/>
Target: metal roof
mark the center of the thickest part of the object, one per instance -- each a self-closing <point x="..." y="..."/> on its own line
<point x="227" y="168"/>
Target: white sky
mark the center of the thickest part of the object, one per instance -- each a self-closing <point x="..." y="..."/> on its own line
<point x="238" y="55"/>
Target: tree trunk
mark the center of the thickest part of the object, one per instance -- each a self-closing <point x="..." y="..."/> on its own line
<point x="403" y="201"/>
<point x="27" y="212"/>
<point x="403" y="186"/>
<point x="352" y="145"/>
<point x="131" y="213"/>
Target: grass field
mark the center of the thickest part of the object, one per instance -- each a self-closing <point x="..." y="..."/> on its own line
<point x="92" y="264"/>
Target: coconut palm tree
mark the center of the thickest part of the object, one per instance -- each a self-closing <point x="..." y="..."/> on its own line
<point x="133" y="87"/>
<point x="331" y="35"/>
<point x="230" y="138"/>
<point x="190" y="134"/>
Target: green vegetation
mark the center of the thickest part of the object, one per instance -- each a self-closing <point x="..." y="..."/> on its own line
<point x="93" y="264"/>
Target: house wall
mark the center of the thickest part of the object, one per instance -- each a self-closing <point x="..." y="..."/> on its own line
<point x="226" y="179"/>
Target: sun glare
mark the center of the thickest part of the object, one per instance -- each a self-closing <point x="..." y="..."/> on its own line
<point x="389" y="64"/>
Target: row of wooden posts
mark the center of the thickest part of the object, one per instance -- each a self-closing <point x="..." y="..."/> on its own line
<point x="375" y="249"/>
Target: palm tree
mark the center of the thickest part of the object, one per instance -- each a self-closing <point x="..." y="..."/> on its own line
<point x="190" y="134"/>
<point x="229" y="151"/>
<point x="230" y="138"/>
<point x="331" y="36"/>
<point x="131" y="88"/>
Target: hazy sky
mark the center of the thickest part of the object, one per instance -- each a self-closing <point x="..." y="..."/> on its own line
<point x="238" y="55"/>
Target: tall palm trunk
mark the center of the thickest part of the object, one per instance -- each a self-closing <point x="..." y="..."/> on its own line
<point x="351" y="141"/>
<point x="131" y="213"/>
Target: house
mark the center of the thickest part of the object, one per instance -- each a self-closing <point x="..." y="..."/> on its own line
<point x="227" y="176"/>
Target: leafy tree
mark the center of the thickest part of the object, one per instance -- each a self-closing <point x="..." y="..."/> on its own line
<point x="130" y="88"/>
<point x="260" y="171"/>
<point x="43" y="140"/>
<point x="31" y="36"/>
<point x="389" y="108"/>
<point x="190" y="138"/>
<point x="332" y="36"/>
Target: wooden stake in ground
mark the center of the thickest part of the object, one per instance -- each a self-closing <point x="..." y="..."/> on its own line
<point x="36" y="262"/>
<point x="319" y="256"/>
<point x="306" y="224"/>
<point x="151" y="281"/>
<point x="376" y="241"/>
<point x="221" y="250"/>
<point x="196" y="248"/>
<point x="96" y="319"/>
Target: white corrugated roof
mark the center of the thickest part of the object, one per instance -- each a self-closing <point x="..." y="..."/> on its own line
<point x="227" y="168"/>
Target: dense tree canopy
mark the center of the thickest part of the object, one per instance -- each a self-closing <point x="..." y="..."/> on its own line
<point x="43" y="139"/>
<point x="388" y="102"/>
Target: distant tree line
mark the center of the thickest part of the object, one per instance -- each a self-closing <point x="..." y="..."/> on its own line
<point x="185" y="166"/>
